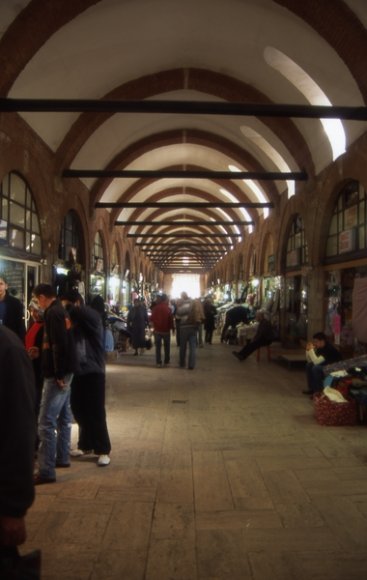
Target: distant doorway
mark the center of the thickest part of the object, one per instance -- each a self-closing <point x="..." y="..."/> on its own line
<point x="189" y="283"/>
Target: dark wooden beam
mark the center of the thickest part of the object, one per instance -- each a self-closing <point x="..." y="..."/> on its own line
<point x="183" y="245"/>
<point x="184" y="174"/>
<point x="184" y="223"/>
<point x="9" y="105"/>
<point x="188" y="235"/>
<point x="184" y="204"/>
<point x="183" y="253"/>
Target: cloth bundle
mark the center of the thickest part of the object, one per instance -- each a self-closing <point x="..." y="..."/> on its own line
<point x="332" y="408"/>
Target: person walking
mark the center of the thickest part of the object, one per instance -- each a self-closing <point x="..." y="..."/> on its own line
<point x="11" y="310"/>
<point x="162" y="322"/>
<point x="88" y="386"/>
<point x="189" y="323"/>
<point x="137" y="321"/>
<point x="264" y="337"/>
<point x="17" y="441"/>
<point x="58" y="366"/>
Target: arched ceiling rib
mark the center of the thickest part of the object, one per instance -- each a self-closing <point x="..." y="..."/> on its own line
<point x="118" y="49"/>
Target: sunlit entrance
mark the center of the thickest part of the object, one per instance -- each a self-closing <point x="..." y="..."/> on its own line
<point x="189" y="283"/>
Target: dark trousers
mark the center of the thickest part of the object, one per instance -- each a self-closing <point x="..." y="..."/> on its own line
<point x="209" y="335"/>
<point x="315" y="377"/>
<point x="253" y="345"/>
<point x="87" y="402"/>
<point x="165" y="338"/>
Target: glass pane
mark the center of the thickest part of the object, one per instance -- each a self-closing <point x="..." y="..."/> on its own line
<point x="332" y="246"/>
<point x="362" y="237"/>
<point x="17" y="215"/>
<point x="16" y="238"/>
<point x="4" y="209"/>
<point x="14" y="272"/>
<point x="334" y="225"/>
<point x="35" y="224"/>
<point x="362" y="216"/>
<point x="17" y="189"/>
<point x="28" y="220"/>
<point x="36" y="244"/>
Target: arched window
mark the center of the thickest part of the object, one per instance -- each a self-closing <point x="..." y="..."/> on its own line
<point x="98" y="254"/>
<point x="348" y="225"/>
<point x="297" y="250"/>
<point x="19" y="223"/>
<point x="71" y="247"/>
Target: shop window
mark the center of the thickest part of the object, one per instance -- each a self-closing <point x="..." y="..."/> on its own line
<point x="19" y="223"/>
<point x="347" y="230"/>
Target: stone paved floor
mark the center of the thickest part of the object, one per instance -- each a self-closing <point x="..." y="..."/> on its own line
<point x="220" y="473"/>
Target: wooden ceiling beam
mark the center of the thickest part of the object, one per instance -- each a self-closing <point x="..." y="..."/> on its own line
<point x="184" y="174"/>
<point x="188" y="235"/>
<point x="11" y="105"/>
<point x="185" y="223"/>
<point x="181" y="245"/>
<point x="184" y="204"/>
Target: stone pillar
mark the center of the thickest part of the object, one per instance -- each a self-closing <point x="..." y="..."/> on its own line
<point x="316" y="300"/>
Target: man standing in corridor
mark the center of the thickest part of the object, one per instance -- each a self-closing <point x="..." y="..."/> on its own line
<point x="58" y="365"/>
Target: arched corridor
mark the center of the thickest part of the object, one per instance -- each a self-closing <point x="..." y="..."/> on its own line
<point x="219" y="473"/>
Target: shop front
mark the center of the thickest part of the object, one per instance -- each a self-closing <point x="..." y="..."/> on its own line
<point x="346" y="261"/>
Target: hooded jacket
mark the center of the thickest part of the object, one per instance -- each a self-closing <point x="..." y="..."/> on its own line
<point x="88" y="334"/>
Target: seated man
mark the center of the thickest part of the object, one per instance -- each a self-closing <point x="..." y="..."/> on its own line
<point x="319" y="352"/>
<point x="263" y="337"/>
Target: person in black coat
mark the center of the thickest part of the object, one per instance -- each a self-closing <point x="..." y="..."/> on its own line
<point x="89" y="382"/>
<point x="234" y="316"/>
<point x="210" y="313"/>
<point x="11" y="310"/>
<point x="17" y="441"/>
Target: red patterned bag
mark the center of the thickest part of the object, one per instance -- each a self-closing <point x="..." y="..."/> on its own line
<point x="328" y="412"/>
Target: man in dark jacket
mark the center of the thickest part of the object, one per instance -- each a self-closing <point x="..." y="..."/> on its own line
<point x="234" y="316"/>
<point x="58" y="366"/>
<point x="263" y="337"/>
<point x="11" y="310"/>
<point x="89" y="382"/>
<point x="17" y="440"/>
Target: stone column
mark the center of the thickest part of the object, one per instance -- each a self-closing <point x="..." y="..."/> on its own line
<point x="316" y="300"/>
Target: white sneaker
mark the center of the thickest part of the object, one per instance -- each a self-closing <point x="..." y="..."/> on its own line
<point x="79" y="452"/>
<point x="103" y="460"/>
<point x="76" y="452"/>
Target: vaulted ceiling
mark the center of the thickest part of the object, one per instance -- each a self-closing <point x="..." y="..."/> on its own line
<point x="160" y="114"/>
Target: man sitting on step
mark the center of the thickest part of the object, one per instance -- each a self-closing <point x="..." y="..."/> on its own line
<point x="319" y="353"/>
<point x="264" y="337"/>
